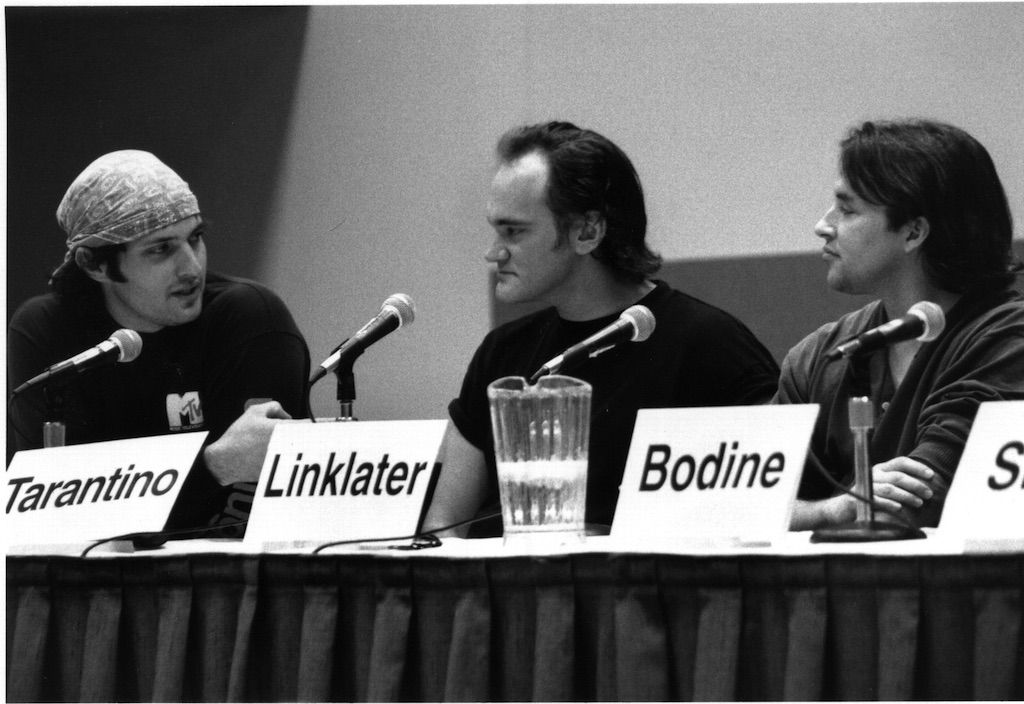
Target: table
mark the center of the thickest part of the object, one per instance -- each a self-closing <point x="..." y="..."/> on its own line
<point x="217" y="623"/>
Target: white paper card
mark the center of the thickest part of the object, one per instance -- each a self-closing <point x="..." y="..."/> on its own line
<point x="986" y="497"/>
<point x="362" y="480"/>
<point x="726" y="472"/>
<point x="84" y="493"/>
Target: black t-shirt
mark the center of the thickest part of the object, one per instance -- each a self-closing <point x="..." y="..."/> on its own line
<point x="197" y="376"/>
<point x="698" y="355"/>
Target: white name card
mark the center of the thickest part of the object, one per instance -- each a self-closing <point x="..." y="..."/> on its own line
<point x="336" y="481"/>
<point x="83" y="493"/>
<point x="712" y="473"/>
<point x="986" y="497"/>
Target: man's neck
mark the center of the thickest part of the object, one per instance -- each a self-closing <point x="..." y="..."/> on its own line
<point x="602" y="296"/>
<point x="897" y="302"/>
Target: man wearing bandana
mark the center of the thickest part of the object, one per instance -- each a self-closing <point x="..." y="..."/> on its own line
<point x="219" y="354"/>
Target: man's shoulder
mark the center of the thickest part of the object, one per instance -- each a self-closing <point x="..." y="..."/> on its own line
<point x="1009" y="305"/>
<point x="834" y="332"/>
<point x="43" y="304"/>
<point x="40" y="312"/>
<point x="234" y="292"/>
<point x="237" y="289"/>
<point x="997" y="314"/>
<point x="687" y="312"/>
<point x="231" y="300"/>
<point x="525" y="326"/>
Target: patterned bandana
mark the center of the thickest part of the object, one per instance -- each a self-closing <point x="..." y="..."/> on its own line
<point x="120" y="197"/>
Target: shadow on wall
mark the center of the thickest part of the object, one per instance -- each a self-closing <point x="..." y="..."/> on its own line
<point x="781" y="298"/>
<point x="207" y="89"/>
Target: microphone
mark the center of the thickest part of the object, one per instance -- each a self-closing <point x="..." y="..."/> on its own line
<point x="924" y="321"/>
<point x="396" y="311"/>
<point x="123" y="345"/>
<point x="635" y="324"/>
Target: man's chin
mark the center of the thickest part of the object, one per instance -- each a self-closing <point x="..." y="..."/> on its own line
<point x="190" y="314"/>
<point x="505" y="293"/>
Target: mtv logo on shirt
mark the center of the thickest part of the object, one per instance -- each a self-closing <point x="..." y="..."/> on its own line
<point x="184" y="411"/>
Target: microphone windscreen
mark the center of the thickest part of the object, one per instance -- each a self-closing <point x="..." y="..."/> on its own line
<point x="129" y="343"/>
<point x="932" y="316"/>
<point x="643" y="321"/>
<point x="403" y="307"/>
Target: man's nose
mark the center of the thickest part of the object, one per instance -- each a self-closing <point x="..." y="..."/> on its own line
<point x="824" y="228"/>
<point x="190" y="262"/>
<point x="497" y="254"/>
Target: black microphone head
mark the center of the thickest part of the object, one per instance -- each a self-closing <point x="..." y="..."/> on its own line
<point x="129" y="344"/>
<point x="933" y="318"/>
<point x="402" y="306"/>
<point x="642" y="320"/>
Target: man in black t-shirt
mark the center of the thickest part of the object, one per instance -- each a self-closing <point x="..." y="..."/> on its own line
<point x="219" y="354"/>
<point x="568" y="211"/>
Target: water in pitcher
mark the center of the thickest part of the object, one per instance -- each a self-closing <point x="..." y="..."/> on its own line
<point x="541" y="496"/>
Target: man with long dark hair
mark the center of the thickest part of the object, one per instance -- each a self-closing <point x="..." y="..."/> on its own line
<point x="219" y="354"/>
<point x="568" y="214"/>
<point x="919" y="215"/>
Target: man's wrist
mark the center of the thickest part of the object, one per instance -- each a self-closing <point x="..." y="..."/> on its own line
<point x="211" y="458"/>
<point x="811" y="515"/>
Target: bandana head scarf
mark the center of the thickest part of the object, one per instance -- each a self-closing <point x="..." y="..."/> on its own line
<point x="119" y="198"/>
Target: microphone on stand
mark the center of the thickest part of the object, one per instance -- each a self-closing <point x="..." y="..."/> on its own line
<point x="123" y="345"/>
<point x="864" y="527"/>
<point x="924" y="321"/>
<point x="396" y="311"/>
<point x="635" y="324"/>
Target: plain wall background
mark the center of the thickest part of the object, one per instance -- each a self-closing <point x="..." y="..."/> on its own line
<point x="345" y="152"/>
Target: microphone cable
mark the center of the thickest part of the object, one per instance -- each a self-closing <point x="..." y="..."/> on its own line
<point x="154" y="539"/>
<point x="419" y="540"/>
<point x="309" y="403"/>
<point x="900" y="514"/>
<point x="148" y="540"/>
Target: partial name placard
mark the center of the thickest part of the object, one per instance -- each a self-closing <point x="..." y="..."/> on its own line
<point x="337" y="481"/>
<point x="84" y="493"/>
<point x="986" y="496"/>
<point x="727" y="473"/>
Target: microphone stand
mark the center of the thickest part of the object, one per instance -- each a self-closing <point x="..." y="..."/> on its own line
<point x="346" y="391"/>
<point x="53" y="427"/>
<point x="864" y="528"/>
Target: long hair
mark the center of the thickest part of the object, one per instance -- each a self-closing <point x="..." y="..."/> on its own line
<point x="920" y="168"/>
<point x="588" y="172"/>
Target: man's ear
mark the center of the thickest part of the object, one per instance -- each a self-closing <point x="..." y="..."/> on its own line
<point x="915" y="232"/>
<point x="89" y="263"/>
<point x="588" y="232"/>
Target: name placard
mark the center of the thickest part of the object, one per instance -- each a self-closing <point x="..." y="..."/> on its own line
<point x="84" y="493"/>
<point x="726" y="472"/>
<point x="986" y="497"/>
<point x="363" y="480"/>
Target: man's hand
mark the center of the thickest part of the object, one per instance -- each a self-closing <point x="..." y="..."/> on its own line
<point x="237" y="456"/>
<point x="901" y="483"/>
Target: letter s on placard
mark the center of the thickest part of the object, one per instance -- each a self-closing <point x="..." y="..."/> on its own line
<point x="1003" y="462"/>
